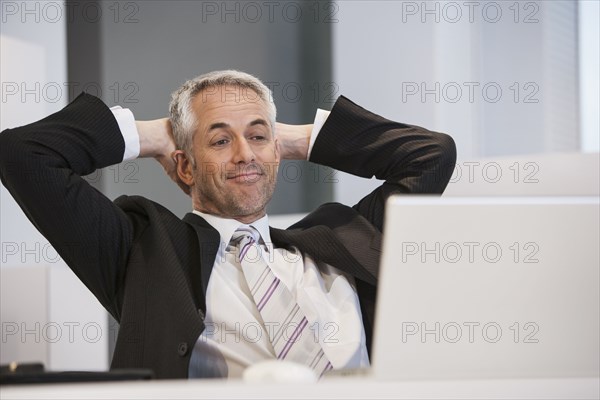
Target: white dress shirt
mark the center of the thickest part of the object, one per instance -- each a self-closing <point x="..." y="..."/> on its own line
<point x="234" y="337"/>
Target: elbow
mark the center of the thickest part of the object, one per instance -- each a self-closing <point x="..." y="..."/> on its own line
<point x="445" y="161"/>
<point x="7" y="150"/>
<point x="11" y="156"/>
<point x="447" y="153"/>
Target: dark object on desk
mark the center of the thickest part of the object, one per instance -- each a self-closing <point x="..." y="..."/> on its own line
<point x="13" y="374"/>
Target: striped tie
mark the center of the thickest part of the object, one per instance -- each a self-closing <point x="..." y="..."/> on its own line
<point x="288" y="329"/>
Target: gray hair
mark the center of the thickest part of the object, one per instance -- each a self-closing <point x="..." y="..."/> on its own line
<point x="183" y="119"/>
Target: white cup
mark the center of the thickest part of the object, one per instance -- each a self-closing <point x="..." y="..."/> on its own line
<point x="279" y="371"/>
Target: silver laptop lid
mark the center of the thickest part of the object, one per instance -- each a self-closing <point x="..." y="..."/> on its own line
<point x="488" y="287"/>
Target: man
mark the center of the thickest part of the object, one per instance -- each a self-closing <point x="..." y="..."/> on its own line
<point x="183" y="290"/>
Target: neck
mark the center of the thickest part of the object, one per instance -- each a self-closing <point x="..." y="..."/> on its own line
<point x="244" y="219"/>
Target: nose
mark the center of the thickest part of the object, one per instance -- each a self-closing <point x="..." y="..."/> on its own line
<point x="243" y="152"/>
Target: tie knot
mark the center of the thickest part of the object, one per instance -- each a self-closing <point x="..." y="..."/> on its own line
<point x="243" y="235"/>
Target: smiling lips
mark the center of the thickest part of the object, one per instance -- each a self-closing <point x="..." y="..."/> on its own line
<point x="248" y="175"/>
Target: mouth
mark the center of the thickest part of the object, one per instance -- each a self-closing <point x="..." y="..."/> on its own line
<point x="245" y="176"/>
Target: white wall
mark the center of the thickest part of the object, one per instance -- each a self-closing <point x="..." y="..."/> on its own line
<point x="417" y="62"/>
<point x="47" y="314"/>
<point x="589" y="65"/>
<point x="547" y="174"/>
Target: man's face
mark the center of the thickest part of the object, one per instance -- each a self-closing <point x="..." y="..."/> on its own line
<point x="235" y="152"/>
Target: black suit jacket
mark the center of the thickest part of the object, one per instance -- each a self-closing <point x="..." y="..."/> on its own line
<point x="150" y="269"/>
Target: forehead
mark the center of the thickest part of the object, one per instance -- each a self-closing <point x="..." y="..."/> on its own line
<point x="228" y="103"/>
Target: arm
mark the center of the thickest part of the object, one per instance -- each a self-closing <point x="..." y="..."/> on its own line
<point x="293" y="140"/>
<point x="410" y="159"/>
<point x="41" y="165"/>
<point x="156" y="140"/>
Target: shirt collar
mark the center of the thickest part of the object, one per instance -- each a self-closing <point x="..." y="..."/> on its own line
<point x="227" y="226"/>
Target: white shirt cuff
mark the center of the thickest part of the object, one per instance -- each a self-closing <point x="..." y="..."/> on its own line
<point x="320" y="119"/>
<point x="126" y="122"/>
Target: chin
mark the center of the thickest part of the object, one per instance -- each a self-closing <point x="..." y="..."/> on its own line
<point x="245" y="204"/>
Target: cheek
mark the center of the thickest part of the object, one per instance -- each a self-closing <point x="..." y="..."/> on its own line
<point x="268" y="156"/>
<point x="208" y="170"/>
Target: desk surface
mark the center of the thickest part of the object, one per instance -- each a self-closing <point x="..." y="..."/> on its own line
<point x="339" y="387"/>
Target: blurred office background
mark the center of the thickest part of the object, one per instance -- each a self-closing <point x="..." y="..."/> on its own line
<point x="508" y="80"/>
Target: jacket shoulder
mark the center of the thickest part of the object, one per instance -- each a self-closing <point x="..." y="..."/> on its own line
<point x="143" y="212"/>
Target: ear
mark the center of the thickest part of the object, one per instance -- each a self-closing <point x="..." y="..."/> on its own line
<point x="277" y="151"/>
<point x="184" y="167"/>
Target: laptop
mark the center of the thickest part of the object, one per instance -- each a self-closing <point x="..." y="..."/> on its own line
<point x="497" y="287"/>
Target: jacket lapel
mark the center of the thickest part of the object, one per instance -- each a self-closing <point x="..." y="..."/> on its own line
<point x="337" y="235"/>
<point x="208" y="240"/>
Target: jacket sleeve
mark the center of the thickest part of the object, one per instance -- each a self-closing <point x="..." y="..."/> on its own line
<point x="41" y="165"/>
<point x="409" y="159"/>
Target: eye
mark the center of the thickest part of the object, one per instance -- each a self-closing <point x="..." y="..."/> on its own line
<point x="221" y="142"/>
<point x="258" y="135"/>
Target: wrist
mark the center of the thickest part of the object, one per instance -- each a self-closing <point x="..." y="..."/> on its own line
<point x="293" y="140"/>
<point x="154" y="138"/>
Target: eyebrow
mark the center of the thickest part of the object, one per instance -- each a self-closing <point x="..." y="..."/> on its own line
<point x="259" y="121"/>
<point x="219" y="125"/>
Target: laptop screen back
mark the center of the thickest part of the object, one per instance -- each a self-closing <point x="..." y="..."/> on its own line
<point x="488" y="288"/>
